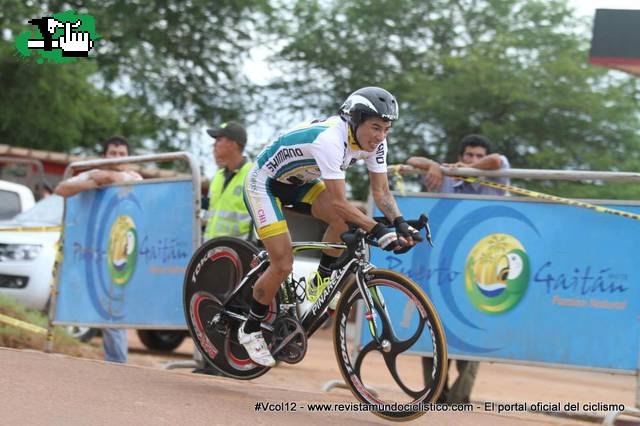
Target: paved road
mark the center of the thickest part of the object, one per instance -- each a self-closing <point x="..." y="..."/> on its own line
<point x="38" y="389"/>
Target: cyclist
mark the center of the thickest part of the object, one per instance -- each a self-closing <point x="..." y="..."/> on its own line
<point x="305" y="168"/>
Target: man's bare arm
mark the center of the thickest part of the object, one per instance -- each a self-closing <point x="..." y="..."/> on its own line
<point x="95" y="179"/>
<point x="382" y="195"/>
<point x="347" y="211"/>
<point x="69" y="189"/>
<point x="423" y="163"/>
<point x="386" y="202"/>
<point x="107" y="177"/>
<point x="489" y="162"/>
<point x="433" y="175"/>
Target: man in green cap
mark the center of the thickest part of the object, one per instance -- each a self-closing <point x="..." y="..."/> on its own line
<point x="227" y="214"/>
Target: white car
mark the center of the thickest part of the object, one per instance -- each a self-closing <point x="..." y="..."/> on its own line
<point x="14" y="198"/>
<point x="26" y="267"/>
<point x="27" y="257"/>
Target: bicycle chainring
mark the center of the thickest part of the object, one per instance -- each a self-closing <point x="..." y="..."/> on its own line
<point x="289" y="340"/>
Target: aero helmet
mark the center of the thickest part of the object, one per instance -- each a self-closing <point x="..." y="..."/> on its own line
<point x="368" y="102"/>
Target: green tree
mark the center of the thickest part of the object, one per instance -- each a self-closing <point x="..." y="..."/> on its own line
<point x="58" y="108"/>
<point x="162" y="70"/>
<point x="514" y="70"/>
<point x="181" y="60"/>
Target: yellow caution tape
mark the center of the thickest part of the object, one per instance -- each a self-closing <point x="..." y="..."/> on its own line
<point x="59" y="254"/>
<point x="543" y="196"/>
<point x="34" y="229"/>
<point x="526" y="192"/>
<point x="398" y="178"/>
<point x="23" y="325"/>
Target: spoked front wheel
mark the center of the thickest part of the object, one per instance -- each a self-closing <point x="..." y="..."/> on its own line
<point x="383" y="372"/>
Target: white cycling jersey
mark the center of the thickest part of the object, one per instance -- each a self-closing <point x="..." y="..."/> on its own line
<point x="322" y="149"/>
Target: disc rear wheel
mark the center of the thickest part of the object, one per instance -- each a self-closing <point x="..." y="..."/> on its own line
<point x="214" y="272"/>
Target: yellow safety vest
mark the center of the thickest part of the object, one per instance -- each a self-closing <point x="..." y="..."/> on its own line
<point x="227" y="213"/>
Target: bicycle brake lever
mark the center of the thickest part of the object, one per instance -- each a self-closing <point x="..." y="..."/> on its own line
<point x="427" y="232"/>
<point x="423" y="220"/>
<point x="423" y="223"/>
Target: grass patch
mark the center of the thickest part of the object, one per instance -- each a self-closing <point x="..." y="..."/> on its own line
<point x="14" y="337"/>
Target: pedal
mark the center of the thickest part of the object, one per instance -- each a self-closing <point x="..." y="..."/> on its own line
<point x="218" y="324"/>
<point x="289" y="340"/>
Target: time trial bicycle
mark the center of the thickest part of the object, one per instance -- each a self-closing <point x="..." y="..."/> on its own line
<point x="217" y="293"/>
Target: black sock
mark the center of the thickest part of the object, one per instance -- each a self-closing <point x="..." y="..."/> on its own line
<point x="257" y="313"/>
<point x="325" y="262"/>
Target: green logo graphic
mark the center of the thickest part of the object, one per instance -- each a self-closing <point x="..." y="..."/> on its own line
<point x="122" y="250"/>
<point x="497" y="273"/>
<point x="63" y="37"/>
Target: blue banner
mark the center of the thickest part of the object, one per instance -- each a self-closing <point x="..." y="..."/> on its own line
<point x="125" y="253"/>
<point x="527" y="281"/>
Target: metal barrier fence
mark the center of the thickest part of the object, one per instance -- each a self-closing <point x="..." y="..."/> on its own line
<point x="125" y="248"/>
<point x="524" y="280"/>
<point x="514" y="279"/>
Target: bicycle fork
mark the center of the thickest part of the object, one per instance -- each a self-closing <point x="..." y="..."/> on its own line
<point x="370" y="312"/>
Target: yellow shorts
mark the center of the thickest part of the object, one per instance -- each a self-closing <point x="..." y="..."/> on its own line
<point x="265" y="197"/>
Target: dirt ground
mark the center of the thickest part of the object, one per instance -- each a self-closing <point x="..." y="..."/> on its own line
<point x="495" y="381"/>
<point x="38" y="388"/>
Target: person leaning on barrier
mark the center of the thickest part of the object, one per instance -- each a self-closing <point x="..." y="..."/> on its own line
<point x="114" y="340"/>
<point x="474" y="152"/>
<point x="227" y="214"/>
<point x="114" y="147"/>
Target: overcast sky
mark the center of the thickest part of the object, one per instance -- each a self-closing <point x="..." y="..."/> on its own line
<point x="588" y="7"/>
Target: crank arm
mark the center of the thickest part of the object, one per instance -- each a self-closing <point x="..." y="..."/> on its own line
<point x="284" y="343"/>
<point x="242" y="318"/>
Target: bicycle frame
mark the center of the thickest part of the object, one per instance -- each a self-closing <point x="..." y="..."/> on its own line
<point x="315" y="315"/>
<point x="217" y="303"/>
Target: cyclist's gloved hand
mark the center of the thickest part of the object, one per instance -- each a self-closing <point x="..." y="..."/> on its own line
<point x="387" y="237"/>
<point x="405" y="230"/>
<point x="404" y="249"/>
